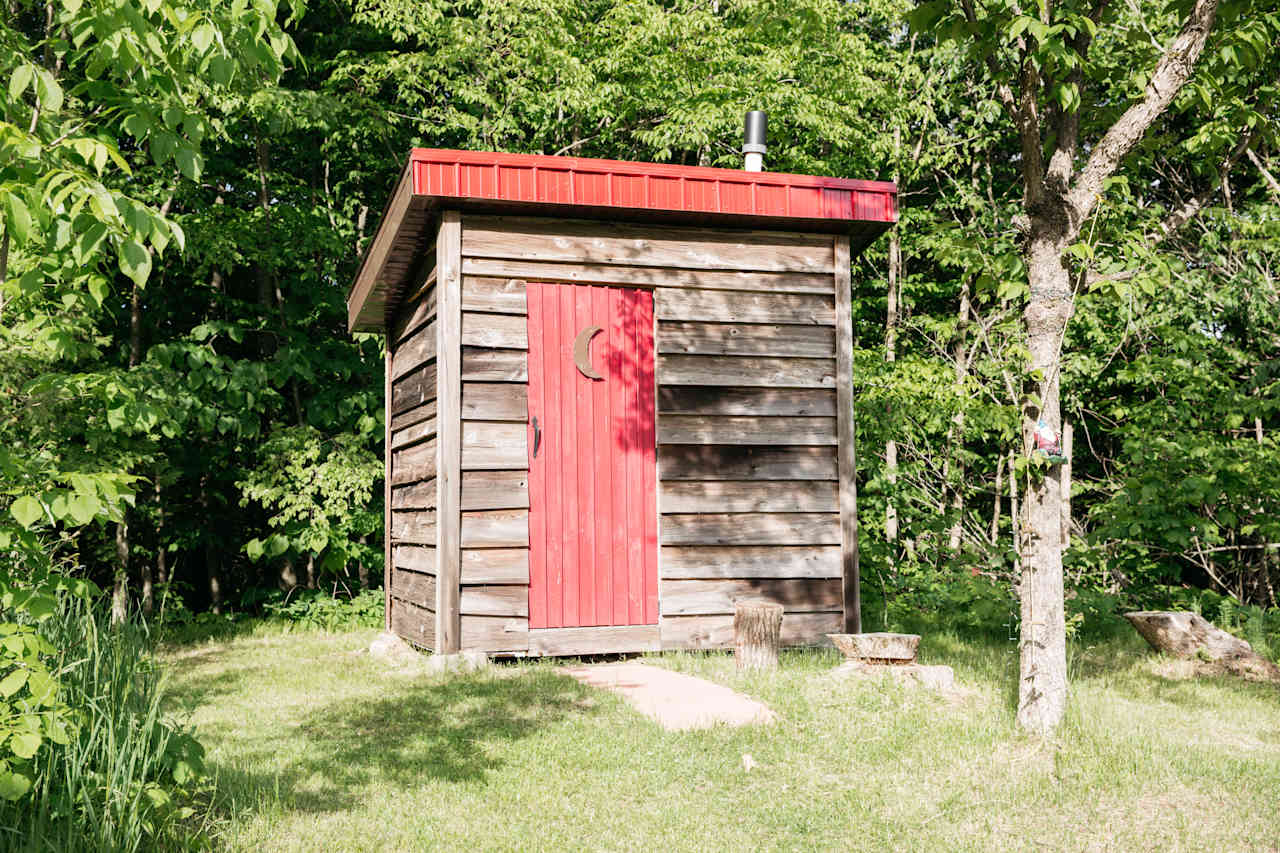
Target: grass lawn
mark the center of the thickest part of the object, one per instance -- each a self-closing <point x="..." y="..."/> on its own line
<point x="320" y="748"/>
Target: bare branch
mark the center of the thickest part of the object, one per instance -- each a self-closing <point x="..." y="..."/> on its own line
<point x="1272" y="183"/>
<point x="1170" y="74"/>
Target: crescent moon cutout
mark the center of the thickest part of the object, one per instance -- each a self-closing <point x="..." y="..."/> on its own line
<point x="582" y="352"/>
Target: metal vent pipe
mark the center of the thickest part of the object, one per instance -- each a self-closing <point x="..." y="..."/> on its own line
<point x="754" y="138"/>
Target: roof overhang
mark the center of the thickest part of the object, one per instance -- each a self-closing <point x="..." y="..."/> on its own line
<point x="578" y="188"/>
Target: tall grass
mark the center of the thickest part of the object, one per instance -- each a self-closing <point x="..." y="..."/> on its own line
<point x="126" y="779"/>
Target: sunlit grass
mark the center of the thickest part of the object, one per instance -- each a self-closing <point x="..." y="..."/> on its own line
<point x="320" y="748"/>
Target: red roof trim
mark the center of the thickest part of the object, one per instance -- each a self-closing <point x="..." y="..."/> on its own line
<point x="543" y="179"/>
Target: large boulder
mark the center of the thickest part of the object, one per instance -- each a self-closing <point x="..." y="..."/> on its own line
<point x="1185" y="634"/>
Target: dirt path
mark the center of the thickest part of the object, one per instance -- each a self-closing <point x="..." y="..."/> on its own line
<point x="676" y="701"/>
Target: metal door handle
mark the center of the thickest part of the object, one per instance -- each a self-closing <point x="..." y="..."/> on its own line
<point x="537" y="436"/>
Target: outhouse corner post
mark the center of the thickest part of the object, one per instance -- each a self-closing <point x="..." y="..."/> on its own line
<point x="449" y="432"/>
<point x="845" y="428"/>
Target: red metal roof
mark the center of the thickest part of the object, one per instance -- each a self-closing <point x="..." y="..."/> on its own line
<point x="541" y="179"/>
<point x="575" y="187"/>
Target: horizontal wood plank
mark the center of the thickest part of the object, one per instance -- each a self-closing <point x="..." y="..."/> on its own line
<point x="761" y="528"/>
<point x="412" y="317"/>
<point x="747" y="339"/>
<point x="494" y="600"/>
<point x="749" y="496"/>
<point x="416" y="415"/>
<point x="621" y="639"/>
<point x="706" y="597"/>
<point x="750" y="561"/>
<point x="420" y="431"/>
<point x="413" y="623"/>
<point x="414" y="463"/>
<point x="416" y="587"/>
<point x="419" y="495"/>
<point x="495" y="401"/>
<point x="731" y="429"/>
<point x="746" y="371"/>
<point x="728" y="400"/>
<point x="495" y="490"/>
<point x="716" y="462"/>
<point x="717" y="306"/>
<point x="501" y="331"/>
<point x="639" y="275"/>
<point x="414" y="389"/>
<point x="489" y="446"/>
<point x="417" y="527"/>
<point x="414" y="351"/>
<point x="417" y="558"/>
<point x="494" y="365"/>
<point x="495" y="565"/>
<point x="716" y="632"/>
<point x="496" y="295"/>
<point x="542" y="239"/>
<point x="495" y="634"/>
<point x="501" y="528"/>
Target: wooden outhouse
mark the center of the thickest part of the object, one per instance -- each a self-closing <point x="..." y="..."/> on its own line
<point x="618" y="400"/>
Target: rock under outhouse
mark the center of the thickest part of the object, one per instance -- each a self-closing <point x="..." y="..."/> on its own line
<point x="618" y="399"/>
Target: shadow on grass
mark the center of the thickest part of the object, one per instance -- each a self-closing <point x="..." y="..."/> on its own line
<point x="452" y="731"/>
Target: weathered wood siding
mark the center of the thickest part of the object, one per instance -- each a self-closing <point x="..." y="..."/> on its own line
<point x="747" y="430"/>
<point x="749" y="496"/>
<point x="411" y="467"/>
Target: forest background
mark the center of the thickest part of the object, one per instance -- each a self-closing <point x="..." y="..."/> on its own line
<point x="187" y="188"/>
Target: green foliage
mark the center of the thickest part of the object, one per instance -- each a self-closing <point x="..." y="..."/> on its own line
<point x="320" y="490"/>
<point x="31" y="713"/>
<point x="317" y="610"/>
<point x="109" y="771"/>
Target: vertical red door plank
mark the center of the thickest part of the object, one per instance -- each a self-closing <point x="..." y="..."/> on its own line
<point x="635" y="476"/>
<point x="537" y="464"/>
<point x="617" y="445"/>
<point x="551" y="446"/>
<point x="649" y="459"/>
<point x="568" y="455"/>
<point x="584" y="430"/>
<point x="601" y="445"/>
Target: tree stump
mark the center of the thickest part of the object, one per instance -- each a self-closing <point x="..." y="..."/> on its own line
<point x="757" y="628"/>
<point x="1189" y="635"/>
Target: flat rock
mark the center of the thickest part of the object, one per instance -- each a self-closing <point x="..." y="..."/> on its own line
<point x="1184" y="634"/>
<point x="877" y="646"/>
<point x="460" y="662"/>
<point x="935" y="677"/>
<point x="389" y="648"/>
<point x="674" y="700"/>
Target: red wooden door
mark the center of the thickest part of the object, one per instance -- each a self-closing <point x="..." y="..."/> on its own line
<point x="592" y="468"/>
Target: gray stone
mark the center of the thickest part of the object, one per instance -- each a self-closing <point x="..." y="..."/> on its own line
<point x="460" y="662"/>
<point x="389" y="648"/>
<point x="879" y="646"/>
<point x="1189" y="635"/>
<point x="934" y="677"/>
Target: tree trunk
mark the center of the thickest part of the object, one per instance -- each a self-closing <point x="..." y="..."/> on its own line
<point x="148" y="572"/>
<point x="213" y="568"/>
<point x="362" y="568"/>
<point x="994" y="535"/>
<point x="288" y="575"/>
<point x="955" y="480"/>
<point x="757" y="627"/>
<point x="311" y="571"/>
<point x="120" y="586"/>
<point x="1042" y="694"/>
<point x="890" y="356"/>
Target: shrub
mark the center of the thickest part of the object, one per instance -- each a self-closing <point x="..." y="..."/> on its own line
<point x="318" y="610"/>
<point x="124" y="778"/>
